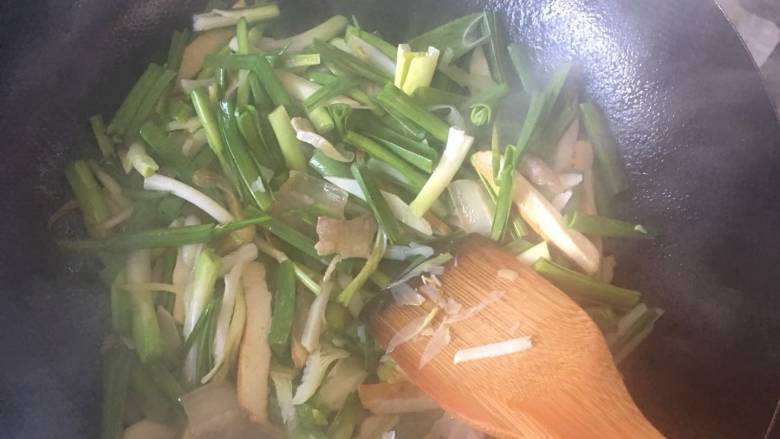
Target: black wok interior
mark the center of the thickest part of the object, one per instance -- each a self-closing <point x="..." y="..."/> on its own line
<point x="697" y="131"/>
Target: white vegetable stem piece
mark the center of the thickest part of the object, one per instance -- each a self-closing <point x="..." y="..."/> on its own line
<point x="324" y="31"/>
<point x="234" y="335"/>
<point x="299" y="89"/>
<point x="403" y="294"/>
<point x="188" y="193"/>
<point x="561" y="200"/>
<point x="627" y="321"/>
<point x="349" y="185"/>
<point x="434" y="265"/>
<point x="223" y="18"/>
<point x="182" y="271"/>
<point x="190" y="252"/>
<point x="414" y="69"/>
<point x="145" y="329"/>
<point x="117" y="219"/>
<point x="137" y="158"/>
<point x="544" y="218"/>
<point x="607" y="272"/>
<point x="226" y="311"/>
<point x="533" y="254"/>
<point x="112" y="186"/>
<point x="401" y="211"/>
<point x="315" y="320"/>
<point x="305" y="132"/>
<point x="316" y="366"/>
<point x="343" y="379"/>
<point x="479" y="70"/>
<point x="471" y="205"/>
<point x="254" y="359"/>
<point x="195" y="143"/>
<point x="403" y="252"/>
<point x="583" y="162"/>
<point x="570" y="180"/>
<point x="538" y="172"/>
<point x="458" y="145"/>
<point x="493" y="350"/>
<point x="187" y="85"/>
<point x="190" y="125"/>
<point x="282" y="379"/>
<point x="398" y="207"/>
<point x="370" y="54"/>
<point x="244" y="254"/>
<point x="201" y="288"/>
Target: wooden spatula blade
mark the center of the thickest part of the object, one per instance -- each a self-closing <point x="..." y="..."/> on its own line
<point x="565" y="385"/>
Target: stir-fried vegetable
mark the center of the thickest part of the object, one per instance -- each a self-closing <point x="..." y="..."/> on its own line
<point x="146" y="330"/>
<point x="586" y="288"/>
<point x="283" y="310"/>
<point x="259" y="196"/>
<point x="160" y="238"/>
<point x="88" y="194"/>
<point x="372" y="263"/>
<point x="458" y="145"/>
<point x="315" y="320"/>
<point x="415" y="69"/>
<point x="254" y="359"/>
<point x="222" y="18"/>
<point x="116" y="379"/>
<point x="545" y="219"/>
<point x="324" y="31"/>
<point x="342" y="380"/>
<point x="316" y="367"/>
<point x="600" y="226"/>
<point x="606" y="152"/>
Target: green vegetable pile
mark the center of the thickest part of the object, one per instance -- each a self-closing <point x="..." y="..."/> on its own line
<point x="257" y="198"/>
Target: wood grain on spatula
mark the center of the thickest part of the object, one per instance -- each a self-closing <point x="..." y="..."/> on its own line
<point x="565" y="386"/>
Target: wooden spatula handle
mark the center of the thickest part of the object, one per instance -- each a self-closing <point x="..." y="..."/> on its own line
<point x="582" y="394"/>
<point x="565" y="386"/>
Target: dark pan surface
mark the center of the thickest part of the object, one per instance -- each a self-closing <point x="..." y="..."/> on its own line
<point x="698" y="133"/>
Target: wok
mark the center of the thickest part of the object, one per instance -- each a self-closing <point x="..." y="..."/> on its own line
<point x="698" y="133"/>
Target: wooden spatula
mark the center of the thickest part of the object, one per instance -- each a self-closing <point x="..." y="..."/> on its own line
<point x="564" y="386"/>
